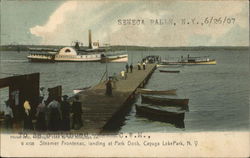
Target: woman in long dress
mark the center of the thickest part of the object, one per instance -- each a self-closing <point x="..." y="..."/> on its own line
<point x="27" y="124"/>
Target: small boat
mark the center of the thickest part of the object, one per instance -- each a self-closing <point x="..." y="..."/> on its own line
<point x="150" y="91"/>
<point x="164" y="101"/>
<point x="191" y="61"/>
<point x="159" y="113"/>
<point x="170" y="71"/>
<point x="117" y="57"/>
<point x="75" y="91"/>
<point x="168" y="66"/>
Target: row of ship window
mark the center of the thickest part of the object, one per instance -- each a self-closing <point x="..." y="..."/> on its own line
<point x="40" y="55"/>
<point x="82" y="56"/>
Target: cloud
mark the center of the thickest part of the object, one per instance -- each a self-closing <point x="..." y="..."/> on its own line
<point x="72" y="20"/>
<point x="56" y="19"/>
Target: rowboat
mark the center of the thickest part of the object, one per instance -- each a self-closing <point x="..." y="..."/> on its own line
<point x="168" y="66"/>
<point x="170" y="71"/>
<point x="164" y="101"/>
<point x="118" y="57"/>
<point x="75" y="91"/>
<point x="150" y="91"/>
<point x="159" y="113"/>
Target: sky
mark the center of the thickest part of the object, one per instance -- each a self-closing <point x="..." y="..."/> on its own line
<point x="210" y="23"/>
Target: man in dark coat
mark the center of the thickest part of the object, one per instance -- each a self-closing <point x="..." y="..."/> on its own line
<point x="40" y="114"/>
<point x="109" y="87"/>
<point x="144" y="65"/>
<point x="127" y="68"/>
<point x="55" y="115"/>
<point x="65" y="108"/>
<point x="131" y="68"/>
<point x="77" y="113"/>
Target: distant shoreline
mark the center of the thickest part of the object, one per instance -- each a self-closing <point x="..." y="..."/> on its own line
<point x="118" y="47"/>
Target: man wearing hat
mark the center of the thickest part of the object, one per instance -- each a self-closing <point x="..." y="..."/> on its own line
<point x="41" y="115"/>
<point x="109" y="87"/>
<point x="55" y="114"/>
<point x="65" y="108"/>
<point x="77" y="113"/>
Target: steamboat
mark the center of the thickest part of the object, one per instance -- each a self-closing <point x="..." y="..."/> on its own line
<point x="75" y="54"/>
<point x="190" y="61"/>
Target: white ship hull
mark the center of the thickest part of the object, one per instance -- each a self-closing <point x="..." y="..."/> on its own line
<point x="78" y="58"/>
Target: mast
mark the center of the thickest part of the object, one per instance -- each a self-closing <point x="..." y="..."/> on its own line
<point x="90" y="40"/>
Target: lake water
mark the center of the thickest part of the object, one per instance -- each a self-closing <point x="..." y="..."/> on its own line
<point x="218" y="94"/>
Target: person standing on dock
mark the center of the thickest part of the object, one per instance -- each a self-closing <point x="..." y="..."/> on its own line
<point x="109" y="87"/>
<point x="131" y="67"/>
<point x="114" y="80"/>
<point x="144" y="65"/>
<point x="65" y="108"/>
<point x="40" y="114"/>
<point x="27" y="124"/>
<point x="49" y="98"/>
<point x="54" y="115"/>
<point x="8" y="115"/>
<point x="77" y="113"/>
<point x="123" y="74"/>
<point x="127" y="67"/>
<point x="139" y="65"/>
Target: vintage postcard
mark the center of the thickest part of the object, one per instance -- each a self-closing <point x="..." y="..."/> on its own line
<point x="124" y="78"/>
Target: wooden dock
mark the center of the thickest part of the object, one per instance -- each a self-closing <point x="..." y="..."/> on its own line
<point x="102" y="113"/>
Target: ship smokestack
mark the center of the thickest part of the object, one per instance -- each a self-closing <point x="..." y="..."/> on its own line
<point x="90" y="40"/>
